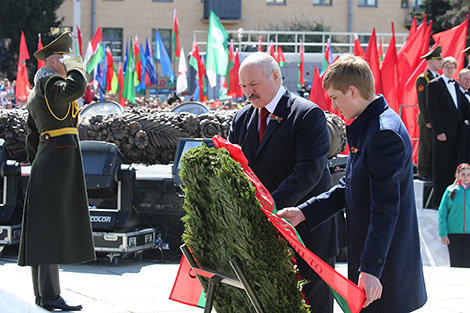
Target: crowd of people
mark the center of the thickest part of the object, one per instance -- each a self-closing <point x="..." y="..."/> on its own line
<point x="7" y="93"/>
<point x="166" y="104"/>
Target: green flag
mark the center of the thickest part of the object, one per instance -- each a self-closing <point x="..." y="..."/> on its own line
<point x="95" y="60"/>
<point x="128" y="91"/>
<point x="217" y="52"/>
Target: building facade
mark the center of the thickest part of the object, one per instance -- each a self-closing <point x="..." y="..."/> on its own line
<point x="122" y="19"/>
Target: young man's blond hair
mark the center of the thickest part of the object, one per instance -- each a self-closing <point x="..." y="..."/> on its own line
<point x="350" y="70"/>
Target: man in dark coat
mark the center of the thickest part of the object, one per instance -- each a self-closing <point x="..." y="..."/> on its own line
<point x="289" y="159"/>
<point x="434" y="60"/>
<point x="464" y="108"/>
<point x="382" y="228"/>
<point x="56" y="222"/>
<point x="444" y="113"/>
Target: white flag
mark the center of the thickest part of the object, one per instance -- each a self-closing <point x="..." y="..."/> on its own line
<point x="88" y="54"/>
<point x="182" y="80"/>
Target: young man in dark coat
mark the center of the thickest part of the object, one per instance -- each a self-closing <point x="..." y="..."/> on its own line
<point x="56" y="222"/>
<point x="382" y="228"/>
<point x="288" y="154"/>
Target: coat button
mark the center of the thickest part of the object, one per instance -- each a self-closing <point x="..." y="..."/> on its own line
<point x="347" y="182"/>
<point x="380" y="261"/>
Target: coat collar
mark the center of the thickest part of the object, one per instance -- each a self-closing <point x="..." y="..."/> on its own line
<point x="375" y="108"/>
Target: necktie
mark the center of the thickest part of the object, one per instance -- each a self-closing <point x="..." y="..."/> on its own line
<point x="263" y="115"/>
<point x="451" y="81"/>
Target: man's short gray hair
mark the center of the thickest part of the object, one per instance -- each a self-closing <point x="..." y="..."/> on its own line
<point x="266" y="61"/>
<point x="466" y="70"/>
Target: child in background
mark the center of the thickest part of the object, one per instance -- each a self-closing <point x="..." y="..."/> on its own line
<point x="454" y="218"/>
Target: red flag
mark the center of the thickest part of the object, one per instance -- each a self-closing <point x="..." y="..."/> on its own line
<point x="271" y="50"/>
<point x="22" y="82"/>
<point x="41" y="63"/>
<point x="280" y="57"/>
<point x="110" y="69"/>
<point x="176" y="36"/>
<point x="301" y="66"/>
<point x="409" y="54"/>
<point x="137" y="60"/>
<point x="412" y="28"/>
<point x="122" y="100"/>
<point x="358" y="50"/>
<point x="198" y="64"/>
<point x="453" y="42"/>
<point x="79" y="34"/>
<point x="371" y="57"/>
<point x="389" y="72"/>
<point x="201" y="75"/>
<point x="96" y="39"/>
<point x="260" y="47"/>
<point x="234" y="88"/>
<point x="317" y="93"/>
<point x="187" y="289"/>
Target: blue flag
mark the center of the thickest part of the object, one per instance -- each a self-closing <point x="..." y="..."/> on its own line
<point x="125" y="59"/>
<point x="143" y="62"/>
<point x="149" y="68"/>
<point x="162" y="55"/>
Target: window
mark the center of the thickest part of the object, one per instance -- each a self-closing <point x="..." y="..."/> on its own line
<point x="404" y="3"/>
<point x="166" y="36"/>
<point x="56" y="31"/>
<point x="112" y="38"/>
<point x="275" y="1"/>
<point x="322" y="2"/>
<point x="367" y="3"/>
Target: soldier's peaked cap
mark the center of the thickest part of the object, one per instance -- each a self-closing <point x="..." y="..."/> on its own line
<point x="466" y="50"/>
<point x="433" y="54"/>
<point x="60" y="45"/>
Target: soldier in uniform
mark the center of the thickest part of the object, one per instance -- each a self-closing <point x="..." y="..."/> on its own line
<point x="434" y="60"/>
<point x="56" y="221"/>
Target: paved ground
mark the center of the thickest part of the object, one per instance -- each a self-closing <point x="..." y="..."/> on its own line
<point x="144" y="286"/>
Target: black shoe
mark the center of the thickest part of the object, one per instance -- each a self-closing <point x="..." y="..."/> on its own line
<point x="58" y="303"/>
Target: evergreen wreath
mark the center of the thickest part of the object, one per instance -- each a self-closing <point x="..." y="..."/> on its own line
<point x="224" y="221"/>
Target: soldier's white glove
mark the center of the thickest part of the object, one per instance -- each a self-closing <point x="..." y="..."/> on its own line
<point x="65" y="56"/>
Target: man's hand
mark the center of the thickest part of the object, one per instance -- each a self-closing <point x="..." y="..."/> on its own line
<point x="292" y="215"/>
<point x="428" y="125"/>
<point x="442" y="137"/>
<point x="372" y="286"/>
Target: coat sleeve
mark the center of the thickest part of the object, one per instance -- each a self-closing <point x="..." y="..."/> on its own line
<point x="421" y="86"/>
<point x="32" y="139"/>
<point x="312" y="143"/>
<point x="386" y="152"/>
<point x="444" y="208"/>
<point x="61" y="91"/>
<point x="433" y="95"/>
<point x="319" y="209"/>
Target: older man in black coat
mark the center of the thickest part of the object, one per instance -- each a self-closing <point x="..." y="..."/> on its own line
<point x="287" y="149"/>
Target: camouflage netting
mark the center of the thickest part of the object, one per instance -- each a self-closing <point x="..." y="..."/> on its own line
<point x="144" y="135"/>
